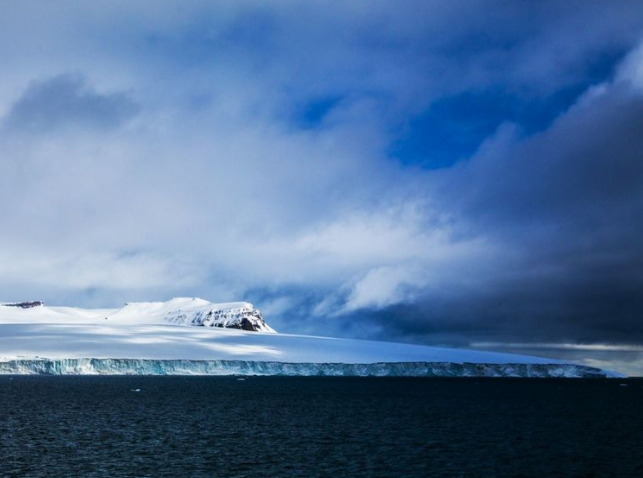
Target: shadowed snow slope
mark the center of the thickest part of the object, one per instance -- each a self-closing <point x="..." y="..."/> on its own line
<point x="164" y="337"/>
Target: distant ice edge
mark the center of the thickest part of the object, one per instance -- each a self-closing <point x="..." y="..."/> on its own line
<point x="108" y="366"/>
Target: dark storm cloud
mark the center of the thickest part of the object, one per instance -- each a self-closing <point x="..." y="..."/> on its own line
<point x="565" y="208"/>
<point x="67" y="100"/>
<point x="571" y="200"/>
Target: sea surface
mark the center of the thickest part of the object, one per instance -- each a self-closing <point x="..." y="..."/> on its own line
<point x="319" y="427"/>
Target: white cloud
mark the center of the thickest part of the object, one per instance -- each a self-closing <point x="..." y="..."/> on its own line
<point x="384" y="286"/>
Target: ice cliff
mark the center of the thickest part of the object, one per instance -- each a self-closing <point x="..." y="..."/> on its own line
<point x="245" y="367"/>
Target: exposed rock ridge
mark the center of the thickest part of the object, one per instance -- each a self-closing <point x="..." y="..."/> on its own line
<point x="26" y="305"/>
<point x="243" y="318"/>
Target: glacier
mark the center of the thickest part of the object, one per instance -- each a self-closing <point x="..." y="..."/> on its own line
<point x="188" y="336"/>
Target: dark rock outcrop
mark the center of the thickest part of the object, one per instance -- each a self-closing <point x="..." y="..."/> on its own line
<point x="26" y="305"/>
<point x="245" y="317"/>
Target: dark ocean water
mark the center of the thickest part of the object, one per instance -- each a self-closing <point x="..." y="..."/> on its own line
<point x="319" y="427"/>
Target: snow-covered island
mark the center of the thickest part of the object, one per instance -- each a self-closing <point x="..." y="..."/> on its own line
<point x="188" y="336"/>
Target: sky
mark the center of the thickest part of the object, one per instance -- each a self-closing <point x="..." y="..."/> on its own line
<point x="465" y="174"/>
